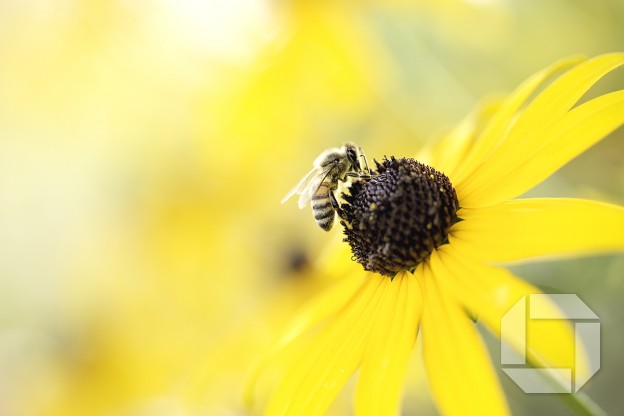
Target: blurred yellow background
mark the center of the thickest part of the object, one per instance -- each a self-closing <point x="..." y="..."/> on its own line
<point x="145" y="260"/>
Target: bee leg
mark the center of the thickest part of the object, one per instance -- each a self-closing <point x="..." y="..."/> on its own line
<point x="366" y="168"/>
<point x="358" y="175"/>
<point x="335" y="205"/>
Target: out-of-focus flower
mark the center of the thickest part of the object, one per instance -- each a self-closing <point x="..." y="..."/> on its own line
<point x="431" y="245"/>
<point x="137" y="174"/>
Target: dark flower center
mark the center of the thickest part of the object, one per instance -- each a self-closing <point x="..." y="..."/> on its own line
<point x="395" y="219"/>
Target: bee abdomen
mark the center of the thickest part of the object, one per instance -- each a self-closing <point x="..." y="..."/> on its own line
<point x="321" y="205"/>
<point x="323" y="211"/>
<point x="326" y="221"/>
<point x="327" y="211"/>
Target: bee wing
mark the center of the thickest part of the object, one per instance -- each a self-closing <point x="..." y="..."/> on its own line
<point x="313" y="186"/>
<point x="301" y="186"/>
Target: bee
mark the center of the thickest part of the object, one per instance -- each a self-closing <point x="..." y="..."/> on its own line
<point x="317" y="187"/>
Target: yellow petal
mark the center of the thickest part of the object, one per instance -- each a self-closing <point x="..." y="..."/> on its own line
<point x="490" y="293"/>
<point x="574" y="133"/>
<point x="565" y="139"/>
<point x="324" y="364"/>
<point x="315" y="311"/>
<point x="529" y="228"/>
<point x="390" y="347"/>
<point x="461" y="376"/>
<point x="547" y="135"/>
<point x="334" y="261"/>
<point x="449" y="153"/>
<point x="501" y="122"/>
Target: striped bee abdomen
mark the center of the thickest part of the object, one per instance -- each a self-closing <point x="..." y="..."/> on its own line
<point x="322" y="208"/>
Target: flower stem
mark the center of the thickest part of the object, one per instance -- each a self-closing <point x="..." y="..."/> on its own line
<point x="582" y="405"/>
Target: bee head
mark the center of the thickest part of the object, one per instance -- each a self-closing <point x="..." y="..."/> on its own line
<point x="351" y="151"/>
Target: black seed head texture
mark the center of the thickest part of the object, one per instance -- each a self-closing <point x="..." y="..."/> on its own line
<point x="395" y="219"/>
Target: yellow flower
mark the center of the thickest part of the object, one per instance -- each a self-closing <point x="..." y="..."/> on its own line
<point x="370" y="321"/>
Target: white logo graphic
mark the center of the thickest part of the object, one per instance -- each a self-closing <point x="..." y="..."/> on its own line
<point x="540" y="380"/>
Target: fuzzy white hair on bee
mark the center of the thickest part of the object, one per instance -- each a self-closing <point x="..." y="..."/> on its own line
<point x="331" y="168"/>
